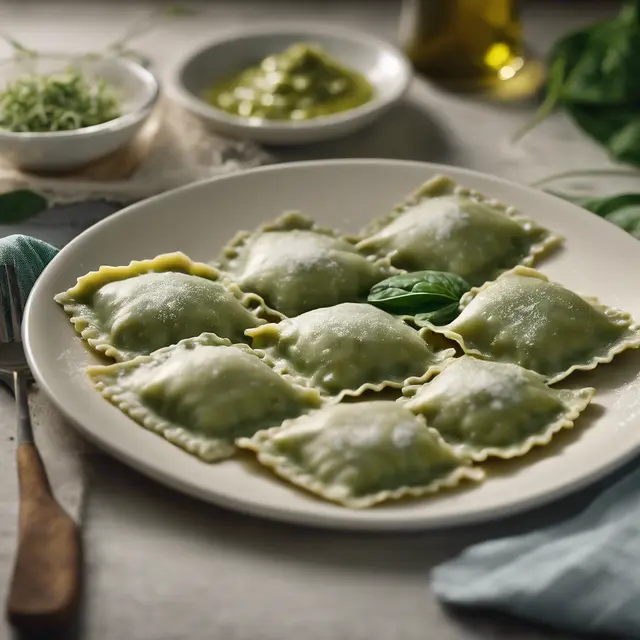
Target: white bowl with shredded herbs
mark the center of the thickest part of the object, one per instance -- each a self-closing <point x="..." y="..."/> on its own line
<point x="61" y="112"/>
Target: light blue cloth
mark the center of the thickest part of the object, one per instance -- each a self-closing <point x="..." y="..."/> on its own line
<point x="582" y="575"/>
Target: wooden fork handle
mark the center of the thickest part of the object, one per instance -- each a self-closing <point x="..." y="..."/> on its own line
<point x="45" y="587"/>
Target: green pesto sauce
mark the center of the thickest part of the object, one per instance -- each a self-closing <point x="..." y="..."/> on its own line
<point x="300" y="83"/>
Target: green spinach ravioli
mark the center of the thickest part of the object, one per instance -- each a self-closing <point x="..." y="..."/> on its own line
<point x="445" y="227"/>
<point x="294" y="266"/>
<point x="203" y="393"/>
<point x="497" y="409"/>
<point x="348" y="349"/>
<point x="361" y="454"/>
<point x="272" y="348"/>
<point x="133" y="310"/>
<point x="524" y="319"/>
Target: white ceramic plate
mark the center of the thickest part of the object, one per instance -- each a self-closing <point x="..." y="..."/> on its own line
<point x="599" y="259"/>
<point x="388" y="71"/>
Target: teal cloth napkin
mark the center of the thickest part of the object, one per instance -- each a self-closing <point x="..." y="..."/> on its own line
<point x="29" y="256"/>
<point x="582" y="575"/>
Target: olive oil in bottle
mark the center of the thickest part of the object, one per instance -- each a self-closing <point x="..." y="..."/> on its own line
<point x="465" y="44"/>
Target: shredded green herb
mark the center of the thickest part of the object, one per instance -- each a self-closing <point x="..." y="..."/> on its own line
<point x="56" y="102"/>
<point x="66" y="101"/>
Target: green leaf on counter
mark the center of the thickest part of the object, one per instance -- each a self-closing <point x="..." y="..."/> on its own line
<point x="604" y="63"/>
<point x="593" y="75"/>
<point x="19" y="205"/>
<point x="418" y="292"/>
<point x="627" y="218"/>
<point x="623" y="210"/>
<point x="615" y="128"/>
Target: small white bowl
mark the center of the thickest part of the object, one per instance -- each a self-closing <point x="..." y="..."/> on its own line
<point x="385" y="68"/>
<point x="138" y="90"/>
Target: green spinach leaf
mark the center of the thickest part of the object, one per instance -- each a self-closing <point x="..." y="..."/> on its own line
<point x="627" y="218"/>
<point x="593" y="75"/>
<point x="608" y="205"/>
<point x="418" y="292"/>
<point x="19" y="205"/>
<point x="615" y="128"/>
<point x="606" y="66"/>
<point x="623" y="210"/>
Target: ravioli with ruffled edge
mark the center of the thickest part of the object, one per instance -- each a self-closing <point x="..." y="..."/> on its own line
<point x="203" y="393"/>
<point x="523" y="318"/>
<point x="296" y="266"/>
<point x="493" y="409"/>
<point x="133" y="310"/>
<point x="444" y="226"/>
<point x="347" y="349"/>
<point x="361" y="454"/>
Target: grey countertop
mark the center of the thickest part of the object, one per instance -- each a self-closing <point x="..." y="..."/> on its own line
<point x="161" y="566"/>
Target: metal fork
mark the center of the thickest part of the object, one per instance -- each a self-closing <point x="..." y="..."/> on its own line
<point x="45" y="585"/>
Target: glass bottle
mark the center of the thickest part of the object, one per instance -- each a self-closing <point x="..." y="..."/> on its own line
<point x="466" y="44"/>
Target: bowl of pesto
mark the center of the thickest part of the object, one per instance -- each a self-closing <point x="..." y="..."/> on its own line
<point x="293" y="85"/>
<point x="61" y="112"/>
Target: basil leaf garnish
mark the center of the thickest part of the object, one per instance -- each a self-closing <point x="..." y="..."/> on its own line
<point x="418" y="292"/>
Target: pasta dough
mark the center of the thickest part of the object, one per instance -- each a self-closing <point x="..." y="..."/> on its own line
<point x="444" y="227"/>
<point x="295" y="267"/>
<point x="347" y="349"/>
<point x="494" y="409"/>
<point x="134" y="310"/>
<point x="361" y="454"/>
<point x="202" y="393"/>
<point x="524" y="319"/>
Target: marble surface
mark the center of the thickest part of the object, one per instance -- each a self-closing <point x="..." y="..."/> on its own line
<point x="161" y="566"/>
